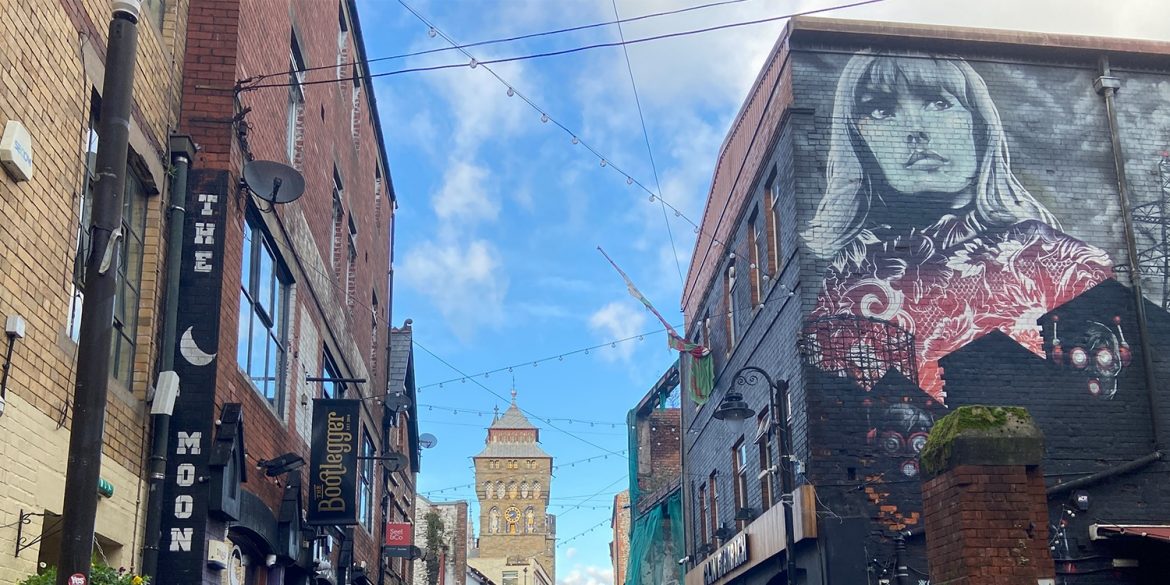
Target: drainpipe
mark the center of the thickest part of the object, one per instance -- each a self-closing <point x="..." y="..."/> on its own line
<point x="1107" y="86"/>
<point x="182" y="151"/>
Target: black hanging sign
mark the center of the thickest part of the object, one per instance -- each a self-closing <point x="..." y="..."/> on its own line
<point x="333" y="465"/>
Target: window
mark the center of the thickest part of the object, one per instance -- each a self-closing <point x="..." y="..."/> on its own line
<point x="772" y="198"/>
<point x="536" y="489"/>
<point x="356" y="95"/>
<point x="739" y="477"/>
<point x="378" y="196"/>
<point x="703" y="535"/>
<point x="754" y="259"/>
<point x="154" y="11"/>
<point x="263" y="299"/>
<point x="338" y="223"/>
<point x="128" y="279"/>
<point x="342" y="37"/>
<point x="713" y="492"/>
<point x="296" y="101"/>
<point x="511" y="578"/>
<point x="729" y="303"/>
<point x="366" y="484"/>
<point x="764" y="441"/>
<point x="351" y="265"/>
<point x="373" y="331"/>
<point x="329" y="369"/>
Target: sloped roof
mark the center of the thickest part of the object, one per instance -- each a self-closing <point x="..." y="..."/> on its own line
<point x="400" y="350"/>
<point x="512" y="419"/>
<point x="517" y="450"/>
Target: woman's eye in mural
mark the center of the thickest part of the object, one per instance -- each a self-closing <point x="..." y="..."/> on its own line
<point x="938" y="104"/>
<point x="878" y="107"/>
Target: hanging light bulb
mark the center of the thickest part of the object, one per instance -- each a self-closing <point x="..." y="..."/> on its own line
<point x="511" y="92"/>
<point x="613" y="345"/>
<point x="652" y="198"/>
<point x="640" y="338"/>
<point x="431" y="33"/>
<point x="534" y="364"/>
<point x="561" y="358"/>
<point x="629" y="180"/>
<point x="544" y="118"/>
<point x="676" y="213"/>
<point x="575" y="141"/>
<point x="474" y="63"/>
<point x="603" y="163"/>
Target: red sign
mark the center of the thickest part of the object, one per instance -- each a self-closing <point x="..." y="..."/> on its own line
<point x="77" y="579"/>
<point x="399" y="533"/>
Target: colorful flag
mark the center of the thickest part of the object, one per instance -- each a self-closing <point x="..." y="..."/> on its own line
<point x="696" y="358"/>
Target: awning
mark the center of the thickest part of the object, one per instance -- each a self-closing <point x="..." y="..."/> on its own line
<point x="1159" y="532"/>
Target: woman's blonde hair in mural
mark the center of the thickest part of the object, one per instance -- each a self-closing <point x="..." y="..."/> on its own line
<point x="841" y="217"/>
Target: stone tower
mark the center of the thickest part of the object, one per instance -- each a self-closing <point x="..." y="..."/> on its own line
<point x="512" y="476"/>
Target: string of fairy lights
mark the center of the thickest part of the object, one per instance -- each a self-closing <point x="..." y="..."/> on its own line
<point x="457" y="410"/>
<point x="554" y="467"/>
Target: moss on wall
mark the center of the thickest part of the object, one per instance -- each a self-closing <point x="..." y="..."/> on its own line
<point x="978" y="420"/>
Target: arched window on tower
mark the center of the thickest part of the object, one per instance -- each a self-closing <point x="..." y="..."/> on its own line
<point x="487" y="489"/>
<point x="536" y="489"/>
<point x="499" y="489"/>
<point x="512" y="489"/>
<point x="494" y="521"/>
<point x="523" y="489"/>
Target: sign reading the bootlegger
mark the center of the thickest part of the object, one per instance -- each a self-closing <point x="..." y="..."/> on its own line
<point x="333" y="464"/>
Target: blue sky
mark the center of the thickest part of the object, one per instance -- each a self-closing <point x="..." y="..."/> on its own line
<point x="500" y="213"/>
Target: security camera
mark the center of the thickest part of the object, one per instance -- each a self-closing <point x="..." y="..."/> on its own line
<point x="684" y="560"/>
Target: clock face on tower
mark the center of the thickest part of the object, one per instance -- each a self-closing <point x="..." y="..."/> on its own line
<point x="513" y="514"/>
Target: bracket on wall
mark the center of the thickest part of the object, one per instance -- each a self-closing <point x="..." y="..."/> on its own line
<point x="22" y="542"/>
<point x="63" y="413"/>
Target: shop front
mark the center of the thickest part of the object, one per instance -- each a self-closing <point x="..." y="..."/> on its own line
<point x="756" y="555"/>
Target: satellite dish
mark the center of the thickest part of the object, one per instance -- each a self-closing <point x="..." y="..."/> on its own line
<point x="397" y="401"/>
<point x="427" y="440"/>
<point x="274" y="182"/>
<point x="395" y="462"/>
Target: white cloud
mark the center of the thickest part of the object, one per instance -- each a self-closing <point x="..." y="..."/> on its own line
<point x="570" y="552"/>
<point x="618" y="320"/>
<point x="588" y="575"/>
<point x="464" y="281"/>
<point x="465" y="197"/>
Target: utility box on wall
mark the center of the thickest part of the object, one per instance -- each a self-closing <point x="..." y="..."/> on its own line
<point x="16" y="152"/>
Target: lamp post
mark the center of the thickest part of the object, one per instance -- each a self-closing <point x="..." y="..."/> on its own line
<point x="734" y="408"/>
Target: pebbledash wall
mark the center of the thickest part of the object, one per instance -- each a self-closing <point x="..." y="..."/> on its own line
<point x="52" y="54"/>
<point x="905" y="219"/>
<point x="274" y="294"/>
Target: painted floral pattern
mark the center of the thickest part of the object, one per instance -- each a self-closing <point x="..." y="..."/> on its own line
<point x="948" y="285"/>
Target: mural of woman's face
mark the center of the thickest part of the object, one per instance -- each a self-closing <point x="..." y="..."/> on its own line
<point x="921" y="139"/>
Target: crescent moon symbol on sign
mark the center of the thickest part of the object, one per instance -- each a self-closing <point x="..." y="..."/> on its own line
<point x="191" y="351"/>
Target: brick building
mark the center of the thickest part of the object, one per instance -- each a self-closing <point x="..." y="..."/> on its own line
<point x="52" y="55"/>
<point x="283" y="303"/>
<point x="653" y="515"/>
<point x="904" y="219"/>
<point x="619" y="547"/>
<point x="452" y="547"/>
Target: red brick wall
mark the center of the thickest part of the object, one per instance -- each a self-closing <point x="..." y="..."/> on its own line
<point x="232" y="40"/>
<point x="987" y="525"/>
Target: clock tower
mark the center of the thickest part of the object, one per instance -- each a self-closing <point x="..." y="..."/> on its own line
<point x="512" y="475"/>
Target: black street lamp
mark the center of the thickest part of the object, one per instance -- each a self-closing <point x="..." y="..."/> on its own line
<point x="734" y="408"/>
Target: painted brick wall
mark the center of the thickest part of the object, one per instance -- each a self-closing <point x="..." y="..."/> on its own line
<point x="898" y="312"/>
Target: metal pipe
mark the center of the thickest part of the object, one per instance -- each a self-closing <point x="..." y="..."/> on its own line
<point x="79" y="509"/>
<point x="157" y="466"/>
<point x="780" y="408"/>
<point x="1107" y="86"/>
<point x="7" y="366"/>
<point x="1068" y="486"/>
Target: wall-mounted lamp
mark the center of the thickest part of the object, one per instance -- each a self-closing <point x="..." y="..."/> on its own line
<point x="282" y="464"/>
<point x="13" y="330"/>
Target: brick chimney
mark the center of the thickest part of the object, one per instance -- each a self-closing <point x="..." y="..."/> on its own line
<point x="986" y="512"/>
